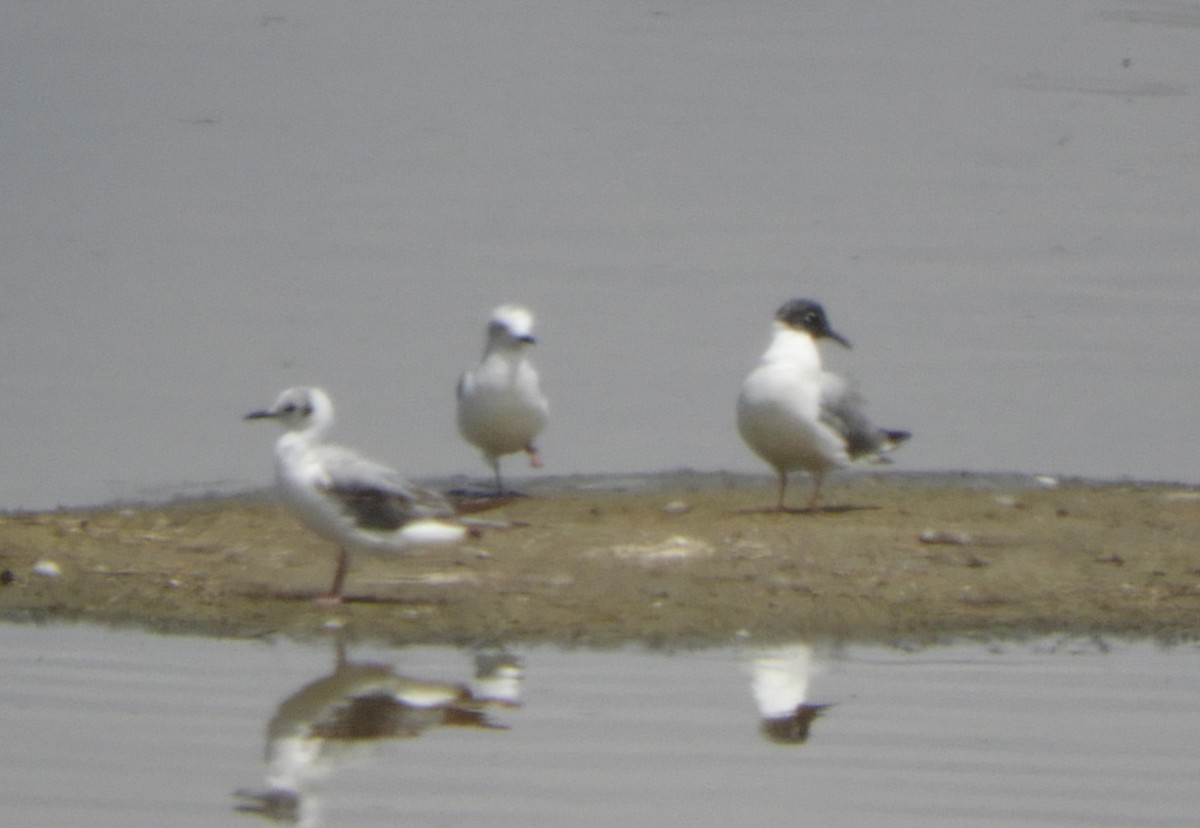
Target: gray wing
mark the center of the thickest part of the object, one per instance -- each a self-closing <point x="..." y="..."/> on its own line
<point x="842" y="411"/>
<point x="375" y="496"/>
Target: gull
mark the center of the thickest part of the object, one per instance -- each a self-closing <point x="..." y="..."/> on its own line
<point x="320" y="727"/>
<point x="501" y="408"/>
<point x="780" y="677"/>
<point x="345" y="497"/>
<point x="796" y="415"/>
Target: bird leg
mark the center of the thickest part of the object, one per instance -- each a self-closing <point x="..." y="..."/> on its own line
<point x="334" y="596"/>
<point x="535" y="459"/>
<point x="783" y="481"/>
<point x="814" y="502"/>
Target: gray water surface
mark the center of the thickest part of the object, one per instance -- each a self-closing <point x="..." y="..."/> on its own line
<point x="127" y="729"/>
<point x="206" y="203"/>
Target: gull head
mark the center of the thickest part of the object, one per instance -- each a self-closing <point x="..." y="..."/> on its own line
<point x="299" y="409"/>
<point x="809" y="317"/>
<point x="510" y="326"/>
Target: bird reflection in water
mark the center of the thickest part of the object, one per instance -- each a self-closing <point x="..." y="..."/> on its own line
<point x="319" y="727"/>
<point x="779" y="680"/>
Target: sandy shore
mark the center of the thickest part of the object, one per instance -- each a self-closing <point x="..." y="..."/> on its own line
<point x="667" y="560"/>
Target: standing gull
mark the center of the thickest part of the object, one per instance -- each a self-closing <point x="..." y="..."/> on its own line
<point x="501" y="408"/>
<point x="343" y="496"/>
<point x="780" y="684"/>
<point x="795" y="415"/>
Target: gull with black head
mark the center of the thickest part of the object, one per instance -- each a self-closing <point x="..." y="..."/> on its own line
<point x="796" y="415"/>
<point x="345" y="497"/>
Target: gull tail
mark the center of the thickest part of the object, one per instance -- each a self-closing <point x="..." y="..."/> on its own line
<point x="887" y="440"/>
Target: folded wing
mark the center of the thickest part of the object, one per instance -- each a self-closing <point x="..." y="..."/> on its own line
<point x="842" y="410"/>
<point x="375" y="496"/>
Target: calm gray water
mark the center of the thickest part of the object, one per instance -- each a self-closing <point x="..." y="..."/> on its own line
<point x="205" y="203"/>
<point x="128" y="729"/>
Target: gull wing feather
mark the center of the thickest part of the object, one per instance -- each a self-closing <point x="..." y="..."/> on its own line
<point x="375" y="496"/>
<point x="842" y="411"/>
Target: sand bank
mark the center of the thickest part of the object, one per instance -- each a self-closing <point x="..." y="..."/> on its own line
<point x="675" y="559"/>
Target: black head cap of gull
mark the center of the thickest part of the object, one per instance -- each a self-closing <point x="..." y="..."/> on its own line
<point x="807" y="315"/>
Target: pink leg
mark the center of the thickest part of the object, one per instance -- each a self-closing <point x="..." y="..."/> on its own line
<point x="334" y="596"/>
<point x="535" y="459"/>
